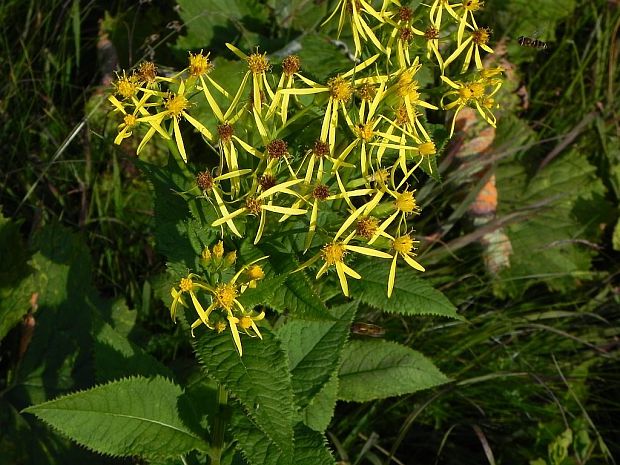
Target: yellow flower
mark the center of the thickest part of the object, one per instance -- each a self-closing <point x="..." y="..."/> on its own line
<point x="477" y="40"/>
<point x="199" y="64"/>
<point x="189" y="285"/>
<point x="340" y="90"/>
<point x="126" y="87"/>
<point x="258" y="65"/>
<point x="290" y="69"/>
<point x="175" y="106"/>
<point x="333" y="254"/>
<point x="404" y="204"/>
<point x="258" y="207"/>
<point x="472" y="93"/>
<point x="245" y="322"/>
<point x="404" y="247"/>
<point x="403" y="34"/>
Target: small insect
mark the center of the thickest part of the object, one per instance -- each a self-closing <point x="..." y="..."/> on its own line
<point x="532" y="43"/>
<point x="367" y="329"/>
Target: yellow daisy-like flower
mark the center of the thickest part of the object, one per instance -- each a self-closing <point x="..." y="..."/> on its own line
<point x="199" y="64"/>
<point x="403" y="246"/>
<point x="258" y="65"/>
<point x="404" y="205"/>
<point x="477" y="40"/>
<point x="474" y="94"/>
<point x="175" y="108"/>
<point x="403" y="34"/>
<point x="190" y="285"/>
<point x="260" y="204"/>
<point x="290" y="69"/>
<point x="340" y="89"/>
<point x="245" y="322"/>
<point x="126" y="87"/>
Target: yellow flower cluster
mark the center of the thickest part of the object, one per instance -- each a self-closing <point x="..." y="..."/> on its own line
<point x="371" y="137"/>
<point x="223" y="309"/>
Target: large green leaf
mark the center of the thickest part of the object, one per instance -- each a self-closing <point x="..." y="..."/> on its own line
<point x="412" y="295"/>
<point x="134" y="416"/>
<point x="259" y="449"/>
<point x="319" y="412"/>
<point x="207" y="20"/>
<point x="567" y="204"/>
<point x="260" y="380"/>
<point x="379" y="369"/>
<point x="314" y="349"/>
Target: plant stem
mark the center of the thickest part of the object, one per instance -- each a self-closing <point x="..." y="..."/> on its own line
<point x="219" y="426"/>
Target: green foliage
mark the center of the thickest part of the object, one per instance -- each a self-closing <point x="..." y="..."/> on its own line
<point x="16" y="280"/>
<point x="133" y="416"/>
<point x="568" y="204"/>
<point x="313" y="349"/>
<point x="379" y="369"/>
<point x="208" y="19"/>
<point x="259" y="380"/>
<point x="117" y="357"/>
<point x="259" y="448"/>
<point x="412" y="296"/>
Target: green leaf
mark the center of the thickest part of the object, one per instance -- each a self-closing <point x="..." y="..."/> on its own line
<point x="320" y="58"/>
<point x="297" y="295"/>
<point x="180" y="237"/>
<point x="412" y="295"/>
<point x="551" y="244"/>
<point x="378" y="369"/>
<point x="259" y="449"/>
<point x="134" y="416"/>
<point x="259" y="380"/>
<point x="262" y="293"/>
<point x="299" y="14"/>
<point x="207" y="19"/>
<point x="319" y="412"/>
<point x="16" y="283"/>
<point x="311" y="448"/>
<point x="314" y="349"/>
<point x="116" y="357"/>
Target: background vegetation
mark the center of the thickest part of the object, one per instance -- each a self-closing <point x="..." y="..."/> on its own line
<point x="535" y="363"/>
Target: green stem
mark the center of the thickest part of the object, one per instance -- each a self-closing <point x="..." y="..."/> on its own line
<point x="219" y="426"/>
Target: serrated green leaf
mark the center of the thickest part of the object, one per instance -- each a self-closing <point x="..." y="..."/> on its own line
<point x="319" y="412"/>
<point x="549" y="245"/>
<point x="311" y="448"/>
<point x="412" y="294"/>
<point x="378" y="369"/>
<point x="134" y="416"/>
<point x="297" y="295"/>
<point x="314" y="348"/>
<point x="259" y="380"/>
<point x="259" y="449"/>
<point x="262" y="293"/>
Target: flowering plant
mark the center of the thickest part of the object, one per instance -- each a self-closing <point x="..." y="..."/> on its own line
<point x="292" y="194"/>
